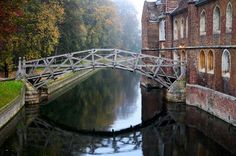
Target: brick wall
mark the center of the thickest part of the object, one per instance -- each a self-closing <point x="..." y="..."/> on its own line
<point x="216" y="103"/>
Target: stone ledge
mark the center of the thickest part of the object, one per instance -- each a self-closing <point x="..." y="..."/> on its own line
<point x="216" y="103"/>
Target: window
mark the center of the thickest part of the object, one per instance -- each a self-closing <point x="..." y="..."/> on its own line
<point x="162" y="30"/>
<point x="216" y="20"/>
<point x="202" y="61"/>
<point x="182" y="28"/>
<point x="229" y="14"/>
<point x="225" y="66"/>
<point x="186" y="27"/>
<point x="175" y="29"/>
<point x="203" y="23"/>
<point x="210" y="62"/>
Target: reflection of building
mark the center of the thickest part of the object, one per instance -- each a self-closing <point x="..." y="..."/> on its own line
<point x="201" y="33"/>
<point x="152" y="103"/>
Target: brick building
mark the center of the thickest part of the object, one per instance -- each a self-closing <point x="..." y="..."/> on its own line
<point x="202" y="33"/>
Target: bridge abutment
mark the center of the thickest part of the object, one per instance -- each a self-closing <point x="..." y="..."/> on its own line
<point x="177" y="92"/>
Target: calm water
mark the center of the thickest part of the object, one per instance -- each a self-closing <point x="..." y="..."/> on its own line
<point x="114" y="100"/>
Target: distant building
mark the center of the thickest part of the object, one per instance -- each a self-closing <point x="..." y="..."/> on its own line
<point x="202" y="33"/>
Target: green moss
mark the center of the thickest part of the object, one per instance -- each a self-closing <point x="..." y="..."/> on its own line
<point x="9" y="90"/>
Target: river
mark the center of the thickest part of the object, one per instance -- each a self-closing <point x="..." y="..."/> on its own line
<point x="86" y="121"/>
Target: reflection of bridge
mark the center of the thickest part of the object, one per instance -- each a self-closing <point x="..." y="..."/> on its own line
<point x="41" y="134"/>
<point x="39" y="72"/>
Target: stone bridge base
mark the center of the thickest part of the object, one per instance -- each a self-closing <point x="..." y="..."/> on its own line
<point x="177" y="92"/>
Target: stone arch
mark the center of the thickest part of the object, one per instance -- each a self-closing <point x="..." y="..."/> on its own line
<point x="216" y="20"/>
<point x="210" y="61"/>
<point x="182" y="28"/>
<point x="175" y="32"/>
<point x="226" y="63"/>
<point x="203" y="23"/>
<point x="202" y="61"/>
<point x="229" y="17"/>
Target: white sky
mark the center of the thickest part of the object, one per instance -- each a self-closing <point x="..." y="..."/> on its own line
<point x="138" y="4"/>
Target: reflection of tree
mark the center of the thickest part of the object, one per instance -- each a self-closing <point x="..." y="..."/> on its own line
<point x="94" y="102"/>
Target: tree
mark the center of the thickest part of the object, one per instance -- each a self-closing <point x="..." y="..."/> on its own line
<point x="89" y="24"/>
<point x="10" y="11"/>
<point x="28" y="28"/>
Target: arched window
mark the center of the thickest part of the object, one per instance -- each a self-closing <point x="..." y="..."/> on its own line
<point x="226" y="65"/>
<point x="186" y="27"/>
<point x="182" y="28"/>
<point x="162" y="30"/>
<point x="202" y="61"/>
<point x="203" y="23"/>
<point x="216" y="20"/>
<point x="175" y="29"/>
<point x="210" y="62"/>
<point x="229" y="14"/>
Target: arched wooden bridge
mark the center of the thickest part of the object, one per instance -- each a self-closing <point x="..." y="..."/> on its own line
<point x="40" y="71"/>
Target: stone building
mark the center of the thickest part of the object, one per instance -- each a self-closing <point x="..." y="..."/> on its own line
<point x="203" y="34"/>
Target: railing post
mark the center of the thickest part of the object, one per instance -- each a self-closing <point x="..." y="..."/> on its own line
<point x="93" y="51"/>
<point x="19" y="71"/>
<point x="114" y="59"/>
<point x="23" y="68"/>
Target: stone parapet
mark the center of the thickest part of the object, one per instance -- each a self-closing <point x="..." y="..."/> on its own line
<point x="216" y="103"/>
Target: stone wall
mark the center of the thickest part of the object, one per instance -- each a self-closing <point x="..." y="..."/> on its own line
<point x="216" y="103"/>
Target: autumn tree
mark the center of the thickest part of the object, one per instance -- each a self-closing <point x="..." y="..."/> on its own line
<point x="28" y="28"/>
<point x="89" y="24"/>
<point x="10" y="12"/>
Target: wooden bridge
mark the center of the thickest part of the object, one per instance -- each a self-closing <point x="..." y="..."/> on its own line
<point x="41" y="71"/>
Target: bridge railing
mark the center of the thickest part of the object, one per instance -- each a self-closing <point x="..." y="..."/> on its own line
<point x="40" y="71"/>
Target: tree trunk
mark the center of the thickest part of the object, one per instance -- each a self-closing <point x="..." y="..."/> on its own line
<point x="6" y="70"/>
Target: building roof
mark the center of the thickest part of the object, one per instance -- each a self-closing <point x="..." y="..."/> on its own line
<point x="201" y="2"/>
<point x="182" y="7"/>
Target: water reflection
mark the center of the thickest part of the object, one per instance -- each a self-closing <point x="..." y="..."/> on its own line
<point x="108" y="100"/>
<point x="194" y="132"/>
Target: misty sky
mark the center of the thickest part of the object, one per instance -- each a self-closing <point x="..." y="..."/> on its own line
<point x="138" y="4"/>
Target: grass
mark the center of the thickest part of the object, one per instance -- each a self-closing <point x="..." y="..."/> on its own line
<point x="9" y="90"/>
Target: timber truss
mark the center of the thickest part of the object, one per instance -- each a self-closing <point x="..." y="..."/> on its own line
<point x="39" y="72"/>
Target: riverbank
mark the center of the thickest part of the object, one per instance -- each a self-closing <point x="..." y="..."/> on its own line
<point x="9" y="90"/>
<point x="12" y="97"/>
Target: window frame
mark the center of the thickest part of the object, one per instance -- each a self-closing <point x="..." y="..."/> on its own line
<point x="202" y="19"/>
<point x="202" y="65"/>
<point x="227" y="72"/>
<point x="210" y="71"/>
<point x="216" y="25"/>
<point x="229" y="28"/>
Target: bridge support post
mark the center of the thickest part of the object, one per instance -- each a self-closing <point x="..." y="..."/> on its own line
<point x="177" y="92"/>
